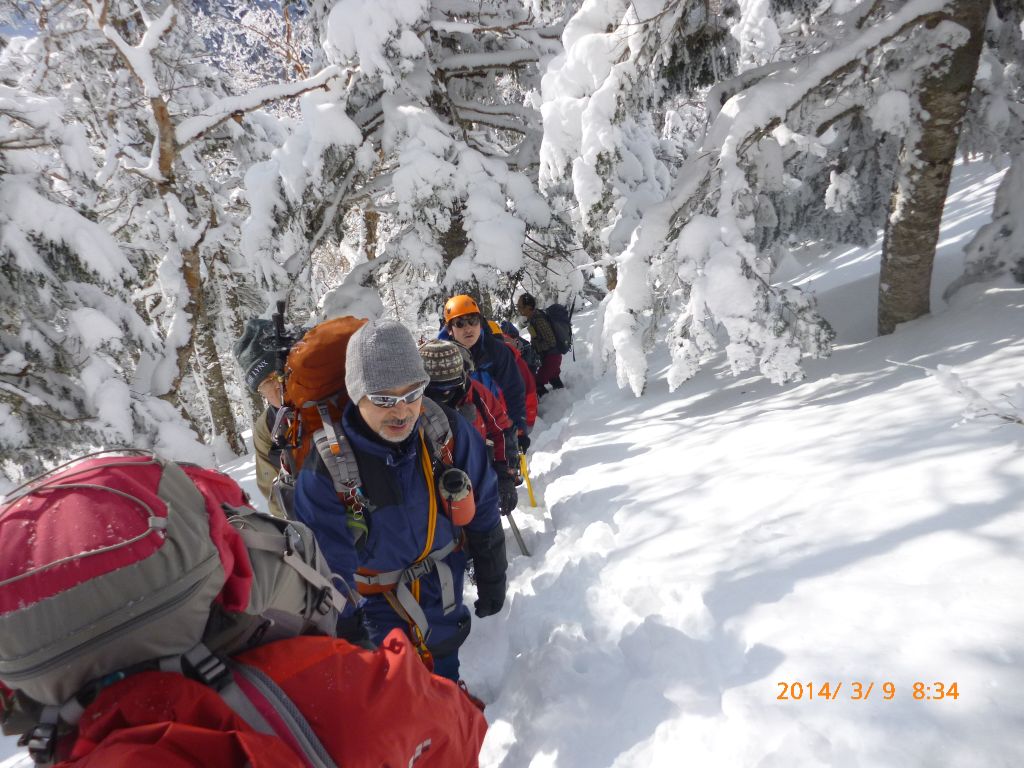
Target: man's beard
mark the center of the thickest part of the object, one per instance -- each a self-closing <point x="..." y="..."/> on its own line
<point x="388" y="435"/>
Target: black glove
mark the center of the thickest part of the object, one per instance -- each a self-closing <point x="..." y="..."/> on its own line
<point x="524" y="442"/>
<point x="491" y="600"/>
<point x="353" y="628"/>
<point x="490" y="562"/>
<point x="508" y="498"/>
<point x="511" y="450"/>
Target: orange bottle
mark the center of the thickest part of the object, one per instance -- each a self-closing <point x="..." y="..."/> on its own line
<point x="456" y="493"/>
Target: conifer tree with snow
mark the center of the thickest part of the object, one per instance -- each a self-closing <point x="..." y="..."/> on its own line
<point x="994" y="128"/>
<point x="71" y="337"/>
<point x="416" y="176"/>
<point x="799" y="139"/>
<point x="145" y="140"/>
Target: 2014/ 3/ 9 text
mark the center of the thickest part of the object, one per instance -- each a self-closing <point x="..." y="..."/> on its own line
<point x="857" y="690"/>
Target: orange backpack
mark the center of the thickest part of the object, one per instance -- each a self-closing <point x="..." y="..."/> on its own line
<point x="315" y="384"/>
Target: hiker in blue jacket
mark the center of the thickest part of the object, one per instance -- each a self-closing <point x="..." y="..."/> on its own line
<point x="464" y="323"/>
<point x="388" y="529"/>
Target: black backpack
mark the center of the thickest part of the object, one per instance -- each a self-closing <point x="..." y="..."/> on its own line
<point x="529" y="354"/>
<point x="561" y="324"/>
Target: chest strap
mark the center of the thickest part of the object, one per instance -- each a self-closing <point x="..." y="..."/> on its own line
<point x="399" y="581"/>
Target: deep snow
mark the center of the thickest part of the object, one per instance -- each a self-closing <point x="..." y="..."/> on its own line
<point x="695" y="550"/>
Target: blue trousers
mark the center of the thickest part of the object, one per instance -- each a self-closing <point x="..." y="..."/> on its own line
<point x="448" y="666"/>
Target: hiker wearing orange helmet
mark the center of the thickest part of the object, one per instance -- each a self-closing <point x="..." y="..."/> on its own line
<point x="495" y="365"/>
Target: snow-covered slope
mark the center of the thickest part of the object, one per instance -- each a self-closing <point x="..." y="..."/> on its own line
<point x="694" y="552"/>
<point x="702" y="549"/>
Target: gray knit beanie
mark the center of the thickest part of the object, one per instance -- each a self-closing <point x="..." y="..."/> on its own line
<point x="382" y="355"/>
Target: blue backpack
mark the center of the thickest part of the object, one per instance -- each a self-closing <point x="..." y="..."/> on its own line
<point x="561" y="324"/>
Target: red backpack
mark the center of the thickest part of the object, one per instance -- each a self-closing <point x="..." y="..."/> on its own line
<point x="122" y="563"/>
<point x="319" y="701"/>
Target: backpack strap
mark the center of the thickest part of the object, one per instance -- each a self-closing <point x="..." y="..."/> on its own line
<point x="440" y="429"/>
<point x="338" y="456"/>
<point x="287" y="543"/>
<point x="254" y="697"/>
<point x="41" y="739"/>
<point x="255" y="692"/>
<point x="398" y="581"/>
<point x="468" y="411"/>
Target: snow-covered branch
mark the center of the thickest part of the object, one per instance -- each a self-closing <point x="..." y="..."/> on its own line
<point x="977" y="405"/>
<point x="197" y="126"/>
<point x="465" y="64"/>
<point x="140" y="57"/>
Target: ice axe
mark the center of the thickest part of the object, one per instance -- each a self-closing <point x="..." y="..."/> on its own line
<point x="517" y="534"/>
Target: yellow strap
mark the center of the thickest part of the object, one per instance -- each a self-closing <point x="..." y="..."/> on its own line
<point x="428" y="473"/>
<point x="526" y="475"/>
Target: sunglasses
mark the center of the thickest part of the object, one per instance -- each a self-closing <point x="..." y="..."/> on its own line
<point x="470" y="320"/>
<point x="390" y="401"/>
<point x="444" y="387"/>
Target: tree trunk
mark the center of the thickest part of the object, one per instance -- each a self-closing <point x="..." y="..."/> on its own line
<point x="611" y="275"/>
<point x="371" y="219"/>
<point x="213" y="382"/>
<point x="191" y="274"/>
<point x="455" y="240"/>
<point x="919" y="192"/>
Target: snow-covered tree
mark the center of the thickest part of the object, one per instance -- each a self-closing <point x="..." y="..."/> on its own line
<point x="692" y="193"/>
<point x="71" y="338"/>
<point x="154" y="143"/>
<point x="994" y="127"/>
<point x="414" y="176"/>
<point x="940" y="101"/>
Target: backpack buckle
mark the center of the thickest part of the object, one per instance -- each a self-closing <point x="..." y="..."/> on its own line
<point x="323" y="602"/>
<point x="420" y="569"/>
<point x="206" y="667"/>
<point x="41" y="742"/>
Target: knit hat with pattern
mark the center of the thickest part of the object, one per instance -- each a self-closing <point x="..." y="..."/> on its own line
<point x="442" y="360"/>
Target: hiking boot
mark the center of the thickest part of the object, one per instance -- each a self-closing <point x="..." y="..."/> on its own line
<point x="556" y="383"/>
<point x="476" y="702"/>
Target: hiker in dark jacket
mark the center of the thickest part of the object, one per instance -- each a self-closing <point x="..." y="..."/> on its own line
<point x="545" y="343"/>
<point x="393" y="535"/>
<point x="261" y="357"/>
<point x="448" y="366"/>
<point x="492" y="359"/>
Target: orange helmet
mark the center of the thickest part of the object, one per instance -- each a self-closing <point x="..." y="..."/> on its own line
<point x="460" y="305"/>
<point x="495" y="328"/>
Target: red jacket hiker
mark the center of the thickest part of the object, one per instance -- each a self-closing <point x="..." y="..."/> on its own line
<point x="487" y="413"/>
<point x="367" y="708"/>
<point x="448" y="366"/>
<point x="529" y="383"/>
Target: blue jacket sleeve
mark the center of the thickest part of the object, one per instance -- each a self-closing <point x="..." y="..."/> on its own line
<point x="471" y="457"/>
<point x="506" y="373"/>
<point x="317" y="505"/>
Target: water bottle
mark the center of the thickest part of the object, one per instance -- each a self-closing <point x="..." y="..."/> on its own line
<point x="456" y="493"/>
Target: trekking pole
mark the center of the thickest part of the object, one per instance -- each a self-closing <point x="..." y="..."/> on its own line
<point x="571" y="310"/>
<point x="279" y="332"/>
<point x="518" y="535"/>
<point x="526" y="475"/>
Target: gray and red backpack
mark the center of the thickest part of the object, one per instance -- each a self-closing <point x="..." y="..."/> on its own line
<point x="121" y="562"/>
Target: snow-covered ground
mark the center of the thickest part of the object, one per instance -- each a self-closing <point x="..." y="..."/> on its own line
<point x="697" y="554"/>
<point x="702" y="552"/>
